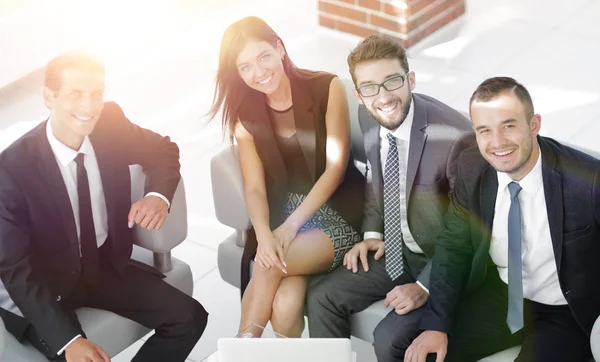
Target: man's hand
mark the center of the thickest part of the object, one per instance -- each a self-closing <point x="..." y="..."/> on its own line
<point x="427" y="342"/>
<point x="150" y="213"/>
<point x="406" y="298"/>
<point x="360" y="250"/>
<point x="82" y="350"/>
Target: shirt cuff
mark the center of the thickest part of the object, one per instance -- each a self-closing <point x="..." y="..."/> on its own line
<point x="161" y="196"/>
<point x="373" y="235"/>
<point x="422" y="286"/>
<point x="67" y="345"/>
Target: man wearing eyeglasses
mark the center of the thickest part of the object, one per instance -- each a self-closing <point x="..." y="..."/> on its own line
<point x="412" y="142"/>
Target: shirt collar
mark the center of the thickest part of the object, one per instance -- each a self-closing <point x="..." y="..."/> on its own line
<point x="530" y="183"/>
<point x="63" y="153"/>
<point x="403" y="131"/>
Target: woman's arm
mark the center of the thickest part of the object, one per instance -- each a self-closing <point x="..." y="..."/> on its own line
<point x="337" y="150"/>
<point x="255" y="193"/>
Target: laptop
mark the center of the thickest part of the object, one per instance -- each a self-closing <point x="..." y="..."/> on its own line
<point x="284" y="350"/>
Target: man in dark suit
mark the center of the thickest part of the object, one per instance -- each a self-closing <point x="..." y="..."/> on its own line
<point x="517" y="259"/>
<point x="411" y="142"/>
<point x="66" y="219"/>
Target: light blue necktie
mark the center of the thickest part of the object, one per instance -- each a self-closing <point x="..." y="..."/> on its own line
<point x="393" y="174"/>
<point x="514" y="318"/>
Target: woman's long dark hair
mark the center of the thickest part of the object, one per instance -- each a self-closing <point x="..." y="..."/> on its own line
<point x="230" y="89"/>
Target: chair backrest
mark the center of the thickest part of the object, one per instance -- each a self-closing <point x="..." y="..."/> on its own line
<point x="358" y="149"/>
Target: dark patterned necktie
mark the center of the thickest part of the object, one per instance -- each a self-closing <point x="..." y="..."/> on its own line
<point x="394" y="174"/>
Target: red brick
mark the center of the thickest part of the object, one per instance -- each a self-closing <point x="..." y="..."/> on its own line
<point x="450" y="15"/>
<point x="343" y="11"/>
<point x="393" y="25"/>
<point x="370" y="4"/>
<point x="394" y="10"/>
<point x="353" y="29"/>
<point x="416" y="6"/>
<point x="351" y="2"/>
<point x="326" y="21"/>
<point x="431" y="12"/>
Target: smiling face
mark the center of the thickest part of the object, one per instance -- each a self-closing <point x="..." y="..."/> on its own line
<point x="506" y="138"/>
<point x="75" y="105"/>
<point x="260" y="66"/>
<point x="389" y="108"/>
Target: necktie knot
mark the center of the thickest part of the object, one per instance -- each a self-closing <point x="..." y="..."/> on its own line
<point x="391" y="140"/>
<point x="514" y="188"/>
<point x="79" y="159"/>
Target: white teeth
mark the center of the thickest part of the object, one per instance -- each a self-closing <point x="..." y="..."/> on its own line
<point x="389" y="107"/>
<point x="266" y="81"/>
<point x="503" y="153"/>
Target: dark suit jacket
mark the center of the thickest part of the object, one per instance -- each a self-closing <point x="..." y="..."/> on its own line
<point x="310" y="98"/>
<point x="439" y="133"/>
<point x="39" y="248"/>
<point x="572" y="193"/>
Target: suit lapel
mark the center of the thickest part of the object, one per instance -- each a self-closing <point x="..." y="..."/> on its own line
<point x="48" y="167"/>
<point x="107" y="175"/>
<point x="304" y="119"/>
<point x="417" y="142"/>
<point x="489" y="191"/>
<point x="372" y="143"/>
<point x="554" y="199"/>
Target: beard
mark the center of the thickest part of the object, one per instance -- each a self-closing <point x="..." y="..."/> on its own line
<point x="395" y="120"/>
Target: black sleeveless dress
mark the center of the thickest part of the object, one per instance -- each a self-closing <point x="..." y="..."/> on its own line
<point x="299" y="185"/>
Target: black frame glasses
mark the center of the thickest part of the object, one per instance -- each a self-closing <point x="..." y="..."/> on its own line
<point x="371" y="90"/>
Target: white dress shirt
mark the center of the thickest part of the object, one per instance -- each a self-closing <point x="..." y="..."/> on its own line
<point x="540" y="276"/>
<point x="65" y="158"/>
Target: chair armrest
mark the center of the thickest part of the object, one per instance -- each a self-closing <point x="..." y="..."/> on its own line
<point x="595" y="340"/>
<point x="173" y="231"/>
<point x="228" y="189"/>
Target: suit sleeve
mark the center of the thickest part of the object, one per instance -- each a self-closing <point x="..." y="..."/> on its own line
<point x="158" y="155"/>
<point x="450" y="264"/>
<point x="31" y="296"/>
<point x="596" y="193"/>
<point x="464" y="141"/>
<point x="373" y="216"/>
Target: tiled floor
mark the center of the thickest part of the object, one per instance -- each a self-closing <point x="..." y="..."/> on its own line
<point x="551" y="46"/>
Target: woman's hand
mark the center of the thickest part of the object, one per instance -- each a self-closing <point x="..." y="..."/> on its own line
<point x="269" y="252"/>
<point x="284" y="234"/>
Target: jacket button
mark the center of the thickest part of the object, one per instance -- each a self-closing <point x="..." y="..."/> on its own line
<point x="74" y="272"/>
<point x="58" y="298"/>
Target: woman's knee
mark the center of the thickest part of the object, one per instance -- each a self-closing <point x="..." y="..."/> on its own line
<point x="288" y="303"/>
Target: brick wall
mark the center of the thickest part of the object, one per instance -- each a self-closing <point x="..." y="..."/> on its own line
<point x="407" y="20"/>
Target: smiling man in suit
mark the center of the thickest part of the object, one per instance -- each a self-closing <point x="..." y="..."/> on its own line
<point x="66" y="223"/>
<point x="517" y="261"/>
<point x="411" y="142"/>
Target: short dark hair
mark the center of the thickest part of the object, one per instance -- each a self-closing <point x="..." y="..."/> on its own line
<point x="491" y="88"/>
<point x="376" y="47"/>
<point x="69" y="60"/>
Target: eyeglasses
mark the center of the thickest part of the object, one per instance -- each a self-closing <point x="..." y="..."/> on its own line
<point x="371" y="90"/>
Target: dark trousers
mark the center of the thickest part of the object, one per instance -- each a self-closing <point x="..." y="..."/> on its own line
<point x="178" y="319"/>
<point x="341" y="293"/>
<point x="551" y="334"/>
